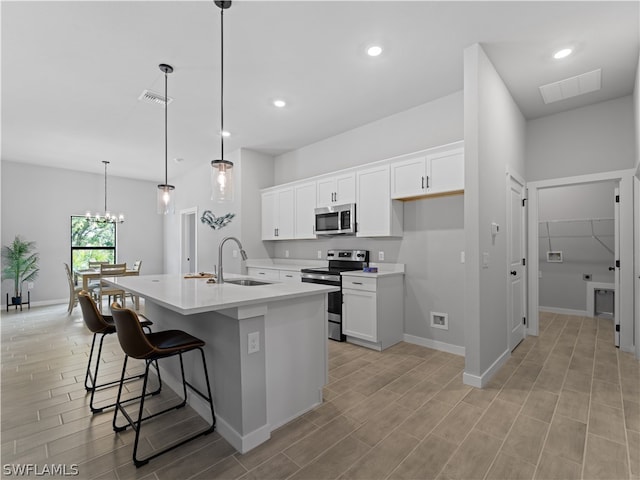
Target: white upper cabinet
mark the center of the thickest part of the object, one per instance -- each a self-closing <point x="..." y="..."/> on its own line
<point x="446" y="171"/>
<point x="376" y="213"/>
<point x="278" y="214"/>
<point x="409" y="177"/>
<point x="305" y="204"/>
<point x="336" y="190"/>
<point x="428" y="174"/>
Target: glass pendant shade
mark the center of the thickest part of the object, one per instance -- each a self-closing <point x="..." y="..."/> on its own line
<point x="166" y="199"/>
<point x="222" y="181"/>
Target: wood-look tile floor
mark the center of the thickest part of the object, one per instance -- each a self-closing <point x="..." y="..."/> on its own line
<point x="565" y="405"/>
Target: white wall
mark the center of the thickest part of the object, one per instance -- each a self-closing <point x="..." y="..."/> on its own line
<point x="433" y="228"/>
<point x="428" y="125"/>
<point x="37" y="203"/>
<point x="252" y="171"/>
<point x="593" y="139"/>
<point x="561" y="284"/>
<point x="494" y="133"/>
<point x="636" y="112"/>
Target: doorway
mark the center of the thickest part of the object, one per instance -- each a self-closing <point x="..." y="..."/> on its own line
<point x="580" y="227"/>
<point x="188" y="240"/>
<point x="516" y="288"/>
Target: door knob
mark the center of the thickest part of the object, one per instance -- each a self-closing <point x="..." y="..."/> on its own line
<point x="611" y="269"/>
<point x="513" y="272"/>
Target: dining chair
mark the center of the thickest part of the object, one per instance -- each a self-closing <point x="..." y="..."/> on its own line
<point x="137" y="265"/>
<point x="73" y="290"/>
<point x="106" y="290"/>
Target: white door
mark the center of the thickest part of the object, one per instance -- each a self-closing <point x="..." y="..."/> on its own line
<point x="516" y="260"/>
<point x="188" y="250"/>
<point x="616" y="272"/>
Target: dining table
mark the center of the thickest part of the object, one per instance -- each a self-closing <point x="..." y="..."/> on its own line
<point x="89" y="274"/>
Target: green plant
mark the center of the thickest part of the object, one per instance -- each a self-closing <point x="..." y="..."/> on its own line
<point x="19" y="263"/>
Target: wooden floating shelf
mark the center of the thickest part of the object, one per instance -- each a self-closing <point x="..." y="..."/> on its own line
<point x="432" y="195"/>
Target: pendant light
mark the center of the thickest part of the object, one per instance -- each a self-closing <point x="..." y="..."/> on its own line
<point x="221" y="169"/>
<point x="106" y="217"/>
<point x="166" y="195"/>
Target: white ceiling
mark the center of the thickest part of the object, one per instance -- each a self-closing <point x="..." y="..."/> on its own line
<point x="72" y="72"/>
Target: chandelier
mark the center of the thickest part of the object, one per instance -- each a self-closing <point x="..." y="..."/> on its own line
<point x="221" y="169"/>
<point x="105" y="217"/>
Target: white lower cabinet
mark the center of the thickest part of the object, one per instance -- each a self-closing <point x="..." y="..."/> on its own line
<point x="264" y="273"/>
<point x="373" y="310"/>
<point x="293" y="276"/>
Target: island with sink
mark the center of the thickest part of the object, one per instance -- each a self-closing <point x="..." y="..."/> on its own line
<point x="266" y="346"/>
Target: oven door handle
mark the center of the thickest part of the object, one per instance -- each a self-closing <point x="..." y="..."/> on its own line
<point x="319" y="276"/>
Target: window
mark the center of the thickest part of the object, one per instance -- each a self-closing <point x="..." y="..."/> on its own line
<point x="91" y="241"/>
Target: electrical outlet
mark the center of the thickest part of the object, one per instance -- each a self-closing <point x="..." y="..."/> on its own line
<point x="319" y="253"/>
<point x="462" y="256"/>
<point x="286" y="254"/>
<point x="381" y="256"/>
<point x="30" y="285"/>
<point x="234" y="253"/>
<point x="253" y="341"/>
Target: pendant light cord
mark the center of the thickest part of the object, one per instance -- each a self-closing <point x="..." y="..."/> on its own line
<point x="166" y="106"/>
<point x="105" y="185"/>
<point x="222" y="84"/>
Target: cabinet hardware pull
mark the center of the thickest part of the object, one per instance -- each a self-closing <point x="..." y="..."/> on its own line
<point x="289" y="276"/>
<point x="423" y="182"/>
<point x="427" y="181"/>
<point x="357" y="283"/>
<point x="261" y="273"/>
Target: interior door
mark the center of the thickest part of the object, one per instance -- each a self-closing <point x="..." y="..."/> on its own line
<point x="616" y="271"/>
<point x="516" y="264"/>
<point x="188" y="261"/>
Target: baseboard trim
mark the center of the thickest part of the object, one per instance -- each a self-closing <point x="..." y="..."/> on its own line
<point x="480" y="381"/>
<point x="434" y="344"/>
<point x="564" y="311"/>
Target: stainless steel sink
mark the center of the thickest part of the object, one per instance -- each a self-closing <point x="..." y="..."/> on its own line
<point x="247" y="282"/>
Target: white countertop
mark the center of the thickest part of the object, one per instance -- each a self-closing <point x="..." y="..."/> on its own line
<point x="194" y="295"/>
<point x="384" y="270"/>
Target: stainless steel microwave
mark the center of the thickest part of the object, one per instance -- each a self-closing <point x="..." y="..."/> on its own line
<point x="336" y="220"/>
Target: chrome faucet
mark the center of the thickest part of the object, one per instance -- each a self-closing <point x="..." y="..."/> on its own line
<point x="242" y="252"/>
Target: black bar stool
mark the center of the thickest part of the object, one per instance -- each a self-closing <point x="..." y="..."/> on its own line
<point x="101" y="325"/>
<point x="151" y="347"/>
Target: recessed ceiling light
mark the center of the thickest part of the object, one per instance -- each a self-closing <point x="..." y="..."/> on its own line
<point x="565" y="52"/>
<point x="279" y="103"/>
<point x="224" y="133"/>
<point x="374" y="50"/>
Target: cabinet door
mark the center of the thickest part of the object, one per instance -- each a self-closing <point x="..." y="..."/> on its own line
<point x="374" y="206"/>
<point x="326" y="191"/>
<point x="269" y="215"/>
<point x="345" y="188"/>
<point x="286" y="212"/>
<point x="359" y="317"/>
<point x="408" y="178"/>
<point x="305" y="204"/>
<point x="446" y="171"/>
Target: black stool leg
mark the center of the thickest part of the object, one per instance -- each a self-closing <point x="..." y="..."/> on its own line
<point x="137" y="425"/>
<point x="88" y="374"/>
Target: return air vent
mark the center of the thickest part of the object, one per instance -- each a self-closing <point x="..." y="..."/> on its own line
<point x="572" y="87"/>
<point x="151" y="97"/>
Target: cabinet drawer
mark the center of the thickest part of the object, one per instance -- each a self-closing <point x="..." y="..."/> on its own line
<point x="290" y="276"/>
<point x="359" y="283"/>
<point x="265" y="273"/>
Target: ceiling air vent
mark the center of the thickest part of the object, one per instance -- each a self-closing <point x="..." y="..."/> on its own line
<point x="152" y="97"/>
<point x="572" y="87"/>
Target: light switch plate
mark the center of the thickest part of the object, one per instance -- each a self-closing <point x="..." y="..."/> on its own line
<point x="253" y="342"/>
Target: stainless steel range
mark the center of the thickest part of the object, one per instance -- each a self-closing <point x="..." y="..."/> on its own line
<point x="339" y="261"/>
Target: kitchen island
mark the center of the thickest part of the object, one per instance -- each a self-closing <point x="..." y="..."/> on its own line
<point x="254" y="393"/>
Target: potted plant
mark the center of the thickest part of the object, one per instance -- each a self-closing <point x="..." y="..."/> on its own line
<point x="20" y="264"/>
